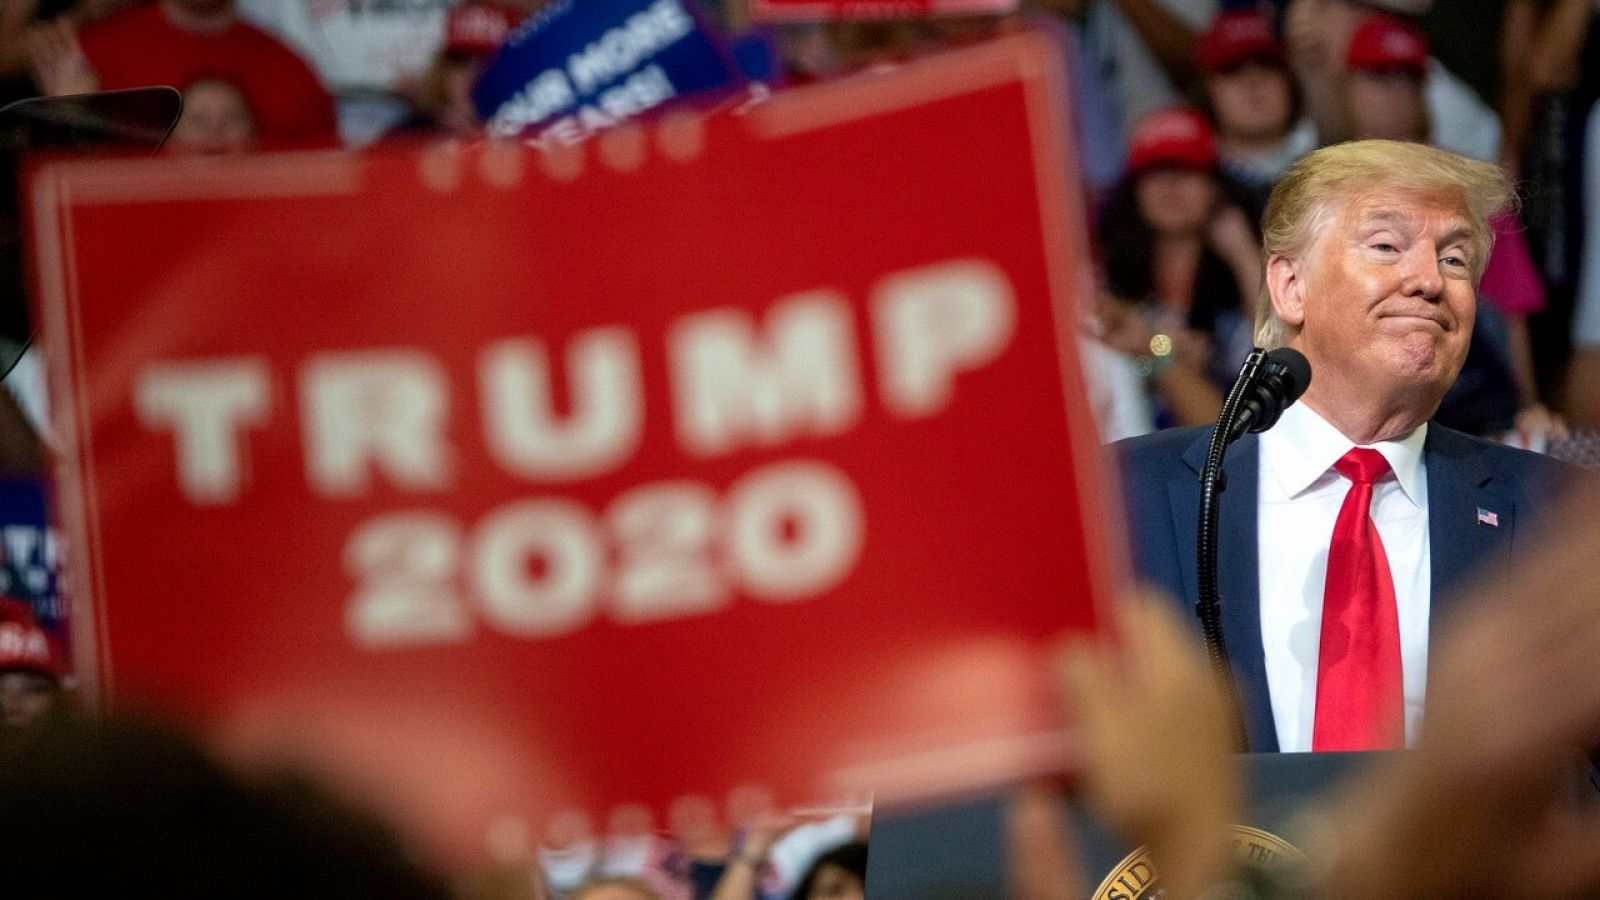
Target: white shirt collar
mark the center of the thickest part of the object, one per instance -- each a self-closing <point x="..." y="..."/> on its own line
<point x="1303" y="447"/>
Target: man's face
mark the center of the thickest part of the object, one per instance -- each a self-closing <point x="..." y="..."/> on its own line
<point x="1386" y="296"/>
<point x="1175" y="201"/>
<point x="216" y="120"/>
<point x="1388" y="104"/>
<point x="1251" y="101"/>
<point x="25" y="698"/>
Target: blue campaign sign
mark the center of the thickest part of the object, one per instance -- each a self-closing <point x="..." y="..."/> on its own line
<point x="29" y="547"/>
<point x="579" y="65"/>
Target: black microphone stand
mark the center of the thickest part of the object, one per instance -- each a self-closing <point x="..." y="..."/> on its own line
<point x="1213" y="481"/>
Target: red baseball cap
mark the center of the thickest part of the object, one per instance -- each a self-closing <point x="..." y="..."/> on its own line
<point x="1383" y="42"/>
<point x="1174" y="136"/>
<point x="24" y="644"/>
<point x="1235" y="36"/>
<point x="479" y="28"/>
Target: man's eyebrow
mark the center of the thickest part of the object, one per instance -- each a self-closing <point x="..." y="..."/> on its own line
<point x="1383" y="215"/>
<point x="1458" y="231"/>
<point x="1462" y="231"/>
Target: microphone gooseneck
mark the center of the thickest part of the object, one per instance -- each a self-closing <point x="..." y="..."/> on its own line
<point x="1268" y="383"/>
<point x="1284" y="375"/>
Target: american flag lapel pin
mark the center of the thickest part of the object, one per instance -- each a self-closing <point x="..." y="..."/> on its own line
<point x="1485" y="517"/>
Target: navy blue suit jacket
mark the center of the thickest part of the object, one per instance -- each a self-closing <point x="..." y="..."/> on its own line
<point x="1161" y="482"/>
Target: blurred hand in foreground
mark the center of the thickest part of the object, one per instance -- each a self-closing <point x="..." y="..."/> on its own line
<point x="1157" y="740"/>
<point x="1485" y="805"/>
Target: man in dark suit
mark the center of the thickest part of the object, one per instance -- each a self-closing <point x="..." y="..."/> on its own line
<point x="1346" y="528"/>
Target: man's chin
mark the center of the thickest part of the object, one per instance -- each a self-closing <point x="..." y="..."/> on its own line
<point x="1424" y="378"/>
<point x="1419" y="355"/>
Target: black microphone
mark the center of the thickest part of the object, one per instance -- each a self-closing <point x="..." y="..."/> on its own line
<point x="1268" y="383"/>
<point x="1284" y="375"/>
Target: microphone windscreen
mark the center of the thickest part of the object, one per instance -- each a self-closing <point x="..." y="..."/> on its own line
<point x="1290" y="365"/>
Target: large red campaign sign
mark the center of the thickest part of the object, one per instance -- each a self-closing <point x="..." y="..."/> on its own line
<point x="743" y="460"/>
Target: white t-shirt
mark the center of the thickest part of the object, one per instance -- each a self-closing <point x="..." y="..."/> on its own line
<point x="1462" y="122"/>
<point x="356" y="45"/>
<point x="1117" y="394"/>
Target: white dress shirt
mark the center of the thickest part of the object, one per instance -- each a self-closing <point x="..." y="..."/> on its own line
<point x="1298" y="502"/>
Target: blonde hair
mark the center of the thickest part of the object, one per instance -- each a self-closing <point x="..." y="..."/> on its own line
<point x="1308" y="197"/>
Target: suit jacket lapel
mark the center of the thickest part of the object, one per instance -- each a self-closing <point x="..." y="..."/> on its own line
<point x="1459" y="485"/>
<point x="1238" y="580"/>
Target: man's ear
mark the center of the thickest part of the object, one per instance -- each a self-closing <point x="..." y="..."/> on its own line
<point x="1286" y="286"/>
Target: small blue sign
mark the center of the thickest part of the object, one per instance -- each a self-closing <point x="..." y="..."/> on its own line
<point x="577" y="66"/>
<point x="30" y="549"/>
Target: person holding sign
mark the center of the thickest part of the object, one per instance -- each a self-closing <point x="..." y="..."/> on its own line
<point x="1347" y="527"/>
<point x="32" y="664"/>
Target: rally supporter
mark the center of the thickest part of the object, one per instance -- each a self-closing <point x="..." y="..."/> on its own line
<point x="1144" y="48"/>
<point x="1176" y="239"/>
<point x="707" y="846"/>
<point x="356" y="48"/>
<point x="216" y="120"/>
<point x="443" y="98"/>
<point x="1551" y="64"/>
<point x="32" y="665"/>
<point x="1101" y="140"/>
<point x="748" y="867"/>
<point x="1585" y="389"/>
<point x="1387" y="69"/>
<point x="1131" y="370"/>
<point x="839" y="874"/>
<point x="1250" y="95"/>
<point x="176" y="42"/>
<point x="23" y="23"/>
<point x="1570" y="43"/>
<point x="1319" y="32"/>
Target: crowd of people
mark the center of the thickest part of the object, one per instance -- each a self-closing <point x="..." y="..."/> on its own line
<point x="1185" y="113"/>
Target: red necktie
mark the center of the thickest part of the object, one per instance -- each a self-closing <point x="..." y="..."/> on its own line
<point x="1360" y="700"/>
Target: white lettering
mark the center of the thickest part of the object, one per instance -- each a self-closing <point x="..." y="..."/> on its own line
<point x="664" y="535"/>
<point x="932" y="323"/>
<point x="404" y="566"/>
<point x="21" y="541"/>
<point x="206" y="405"/>
<point x="643" y="90"/>
<point x="383" y="409"/>
<point x="729" y="392"/>
<point x="665" y="551"/>
<point x="796" y="530"/>
<point x="544" y="96"/>
<point x="607" y="417"/>
<point x="621" y="49"/>
<point x="536" y="568"/>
